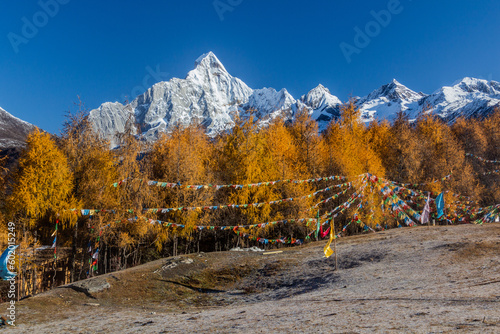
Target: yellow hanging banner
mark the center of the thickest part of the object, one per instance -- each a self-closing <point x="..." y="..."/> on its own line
<point x="328" y="250"/>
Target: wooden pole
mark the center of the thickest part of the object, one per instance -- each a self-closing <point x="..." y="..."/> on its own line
<point x="55" y="257"/>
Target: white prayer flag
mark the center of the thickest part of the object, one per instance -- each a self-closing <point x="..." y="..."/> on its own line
<point x="424" y="218"/>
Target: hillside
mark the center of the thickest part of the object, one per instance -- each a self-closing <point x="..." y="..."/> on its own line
<point x="442" y="279"/>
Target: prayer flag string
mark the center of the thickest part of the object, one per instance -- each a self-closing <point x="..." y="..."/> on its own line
<point x="234" y="186"/>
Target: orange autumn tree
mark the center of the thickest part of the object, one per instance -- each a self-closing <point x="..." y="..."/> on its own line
<point x="43" y="182"/>
<point x="241" y="157"/>
<point x="441" y="154"/>
<point x="253" y="154"/>
<point x="292" y="159"/>
<point x="402" y="155"/>
<point x="182" y="156"/>
<point x="92" y="165"/>
<point x="491" y="125"/>
<point x="348" y="143"/>
<point x="356" y="154"/>
<point x="130" y="229"/>
<point x="308" y="144"/>
<point x="383" y="142"/>
<point x="480" y="138"/>
<point x="41" y="191"/>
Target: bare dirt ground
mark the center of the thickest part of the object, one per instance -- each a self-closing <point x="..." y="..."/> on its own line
<point x="443" y="279"/>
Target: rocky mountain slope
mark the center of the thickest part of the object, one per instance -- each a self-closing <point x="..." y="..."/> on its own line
<point x="13" y="131"/>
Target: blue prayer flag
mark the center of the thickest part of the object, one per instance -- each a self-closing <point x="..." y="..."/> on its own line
<point x="440" y="205"/>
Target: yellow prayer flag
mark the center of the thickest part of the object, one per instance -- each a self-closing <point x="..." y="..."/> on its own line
<point x="328" y="250"/>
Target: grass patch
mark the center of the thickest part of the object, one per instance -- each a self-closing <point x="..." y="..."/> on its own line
<point x="476" y="249"/>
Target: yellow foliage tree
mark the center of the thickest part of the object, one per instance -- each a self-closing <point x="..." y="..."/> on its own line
<point x="241" y="157"/>
<point x="43" y="182"/>
<point x="355" y="153"/>
<point x="182" y="156"/>
<point x="92" y="165"/>
<point x="133" y="196"/>
<point x="441" y="154"/>
<point x="289" y="158"/>
<point x="491" y="125"/>
<point x="91" y="162"/>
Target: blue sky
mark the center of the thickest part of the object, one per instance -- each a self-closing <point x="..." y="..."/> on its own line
<point x="104" y="50"/>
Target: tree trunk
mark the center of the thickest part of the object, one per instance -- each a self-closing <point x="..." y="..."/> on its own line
<point x="199" y="238"/>
<point x="34" y="266"/>
<point x="124" y="260"/>
<point x="215" y="240"/>
<point x="105" y="258"/>
<point x="136" y="253"/>
<point x="174" y="250"/>
<point x="34" y="281"/>
<point x="73" y="261"/>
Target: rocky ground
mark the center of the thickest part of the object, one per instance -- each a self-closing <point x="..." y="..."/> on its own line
<point x="443" y="279"/>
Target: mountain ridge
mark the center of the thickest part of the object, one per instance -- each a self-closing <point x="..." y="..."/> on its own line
<point x="210" y="96"/>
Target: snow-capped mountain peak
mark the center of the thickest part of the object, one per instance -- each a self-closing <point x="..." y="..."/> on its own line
<point x="207" y="96"/>
<point x="319" y="89"/>
<point x="395" y="91"/>
<point x="471" y="85"/>
<point x="319" y="96"/>
<point x="323" y="105"/>
<point x="209" y="60"/>
<point x="207" y="66"/>
<point x="387" y="101"/>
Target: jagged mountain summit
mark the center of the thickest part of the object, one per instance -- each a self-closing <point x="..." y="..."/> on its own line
<point x="13" y="131"/>
<point x="212" y="97"/>
<point x="206" y="96"/>
<point x="387" y="101"/>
